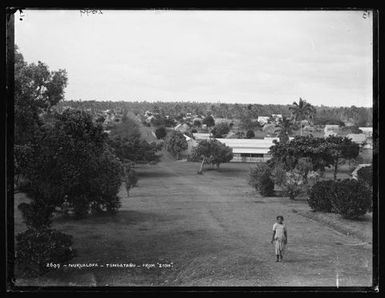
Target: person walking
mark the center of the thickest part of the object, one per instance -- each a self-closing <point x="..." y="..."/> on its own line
<point x="279" y="238"/>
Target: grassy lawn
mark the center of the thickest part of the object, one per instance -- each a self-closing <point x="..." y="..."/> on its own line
<point x="210" y="229"/>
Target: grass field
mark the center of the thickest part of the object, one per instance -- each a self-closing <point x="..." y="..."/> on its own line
<point x="210" y="229"/>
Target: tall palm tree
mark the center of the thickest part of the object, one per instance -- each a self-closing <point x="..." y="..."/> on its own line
<point x="283" y="129"/>
<point x="302" y="111"/>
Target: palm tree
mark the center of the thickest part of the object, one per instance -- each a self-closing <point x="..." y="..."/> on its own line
<point x="301" y="111"/>
<point x="283" y="129"/>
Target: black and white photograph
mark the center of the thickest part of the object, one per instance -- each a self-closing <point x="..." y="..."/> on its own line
<point x="193" y="148"/>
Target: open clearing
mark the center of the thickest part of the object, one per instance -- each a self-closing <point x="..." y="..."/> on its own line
<point x="212" y="229"/>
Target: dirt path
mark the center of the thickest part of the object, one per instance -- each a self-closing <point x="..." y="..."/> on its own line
<point x="214" y="231"/>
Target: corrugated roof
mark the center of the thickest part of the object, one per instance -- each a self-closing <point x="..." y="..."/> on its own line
<point x="251" y="150"/>
<point x="358" y="138"/>
<point x="201" y="135"/>
<point x="248" y="143"/>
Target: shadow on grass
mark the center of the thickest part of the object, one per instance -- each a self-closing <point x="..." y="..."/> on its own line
<point x="124" y="217"/>
<point x="155" y="174"/>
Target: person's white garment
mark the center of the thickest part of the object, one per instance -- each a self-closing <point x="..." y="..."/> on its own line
<point x="279" y="231"/>
<point x="279" y="238"/>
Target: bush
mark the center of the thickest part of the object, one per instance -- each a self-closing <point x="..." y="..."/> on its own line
<point x="266" y="185"/>
<point x="36" y="248"/>
<point x="294" y="184"/>
<point x="36" y="214"/>
<point x="365" y="175"/>
<point x="320" y="196"/>
<point x="161" y="133"/>
<point x="351" y="198"/>
<point x="250" y="134"/>
<point x="260" y="179"/>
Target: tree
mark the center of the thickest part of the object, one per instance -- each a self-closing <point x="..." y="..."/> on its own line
<point x="71" y="159"/>
<point x="37" y="89"/>
<point x="135" y="149"/>
<point x="260" y="179"/>
<point x="197" y="123"/>
<point x="365" y="175"/>
<point x="209" y="121"/>
<point x="127" y="129"/>
<point x="250" y="134"/>
<point x="302" y="111"/>
<point x="212" y="152"/>
<point x="247" y="123"/>
<point x="176" y="143"/>
<point x="294" y="181"/>
<point x="340" y="149"/>
<point x="288" y="154"/>
<point x="161" y="132"/>
<point x="284" y="128"/>
<point x="220" y="130"/>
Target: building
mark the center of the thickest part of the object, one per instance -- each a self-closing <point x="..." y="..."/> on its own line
<point x="331" y="129"/>
<point x="277" y="117"/>
<point x="263" y="119"/>
<point x="201" y="136"/>
<point x="359" y="138"/>
<point x="249" y="150"/>
<point x="182" y="127"/>
<point x="368" y="131"/>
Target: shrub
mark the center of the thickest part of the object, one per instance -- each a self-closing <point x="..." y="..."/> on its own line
<point x="266" y="185"/>
<point x="36" y="248"/>
<point x="260" y="179"/>
<point x="36" y="214"/>
<point x="250" y="134"/>
<point x="320" y="196"/>
<point x="220" y="130"/>
<point x="351" y="198"/>
<point x="161" y="133"/>
<point x="294" y="184"/>
<point x="365" y="175"/>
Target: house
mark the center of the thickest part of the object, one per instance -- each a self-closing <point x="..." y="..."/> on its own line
<point x="331" y="129"/>
<point x="263" y="119"/>
<point x="277" y="117"/>
<point x="368" y="131"/>
<point x="359" y="138"/>
<point x="147" y="114"/>
<point x="249" y="150"/>
<point x="182" y="127"/>
<point x="201" y="136"/>
<point x="149" y="118"/>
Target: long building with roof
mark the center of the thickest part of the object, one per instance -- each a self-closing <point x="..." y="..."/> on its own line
<point x="250" y="150"/>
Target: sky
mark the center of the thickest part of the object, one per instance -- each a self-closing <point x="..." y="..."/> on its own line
<point x="261" y="57"/>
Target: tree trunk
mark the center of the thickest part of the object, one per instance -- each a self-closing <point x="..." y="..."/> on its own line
<point x="201" y="168"/>
<point x="300" y="128"/>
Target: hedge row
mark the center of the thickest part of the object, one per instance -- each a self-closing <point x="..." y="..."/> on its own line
<point x="349" y="197"/>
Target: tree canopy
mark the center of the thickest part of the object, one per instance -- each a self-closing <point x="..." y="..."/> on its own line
<point x="213" y="152"/>
<point x="37" y="89"/>
<point x="175" y="143"/>
<point x="220" y="130"/>
<point x="322" y="152"/>
<point x="209" y="121"/>
<point x="302" y="111"/>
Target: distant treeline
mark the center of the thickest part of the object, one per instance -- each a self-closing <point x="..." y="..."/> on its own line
<point x="359" y="116"/>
